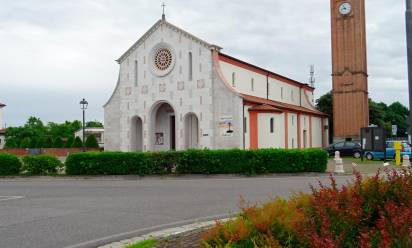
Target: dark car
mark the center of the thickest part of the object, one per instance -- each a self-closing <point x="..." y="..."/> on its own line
<point x="346" y="148"/>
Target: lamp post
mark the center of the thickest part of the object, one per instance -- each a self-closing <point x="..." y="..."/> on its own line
<point x="83" y="106"/>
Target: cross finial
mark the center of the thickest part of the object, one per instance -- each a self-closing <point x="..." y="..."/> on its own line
<point x="163" y="8"/>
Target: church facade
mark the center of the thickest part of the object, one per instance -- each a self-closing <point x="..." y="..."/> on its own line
<point x="176" y="91"/>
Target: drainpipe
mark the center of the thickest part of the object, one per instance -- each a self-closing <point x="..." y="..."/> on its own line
<point x="243" y="121"/>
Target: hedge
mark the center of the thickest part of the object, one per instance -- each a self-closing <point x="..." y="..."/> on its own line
<point x="198" y="162"/>
<point x="41" y="164"/>
<point x="9" y="165"/>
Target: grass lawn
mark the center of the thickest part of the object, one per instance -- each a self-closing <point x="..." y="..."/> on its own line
<point x="143" y="244"/>
<point x="365" y="166"/>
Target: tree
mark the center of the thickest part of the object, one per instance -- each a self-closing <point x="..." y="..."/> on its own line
<point x="91" y="141"/>
<point x="77" y="143"/>
<point x="94" y="123"/>
<point x="69" y="142"/>
<point x="47" y="142"/>
<point x="39" y="143"/>
<point x="57" y="143"/>
<point x="325" y="105"/>
<point x="11" y="143"/>
<point x="25" y="143"/>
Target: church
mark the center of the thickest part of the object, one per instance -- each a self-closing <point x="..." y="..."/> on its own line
<point x="176" y="91"/>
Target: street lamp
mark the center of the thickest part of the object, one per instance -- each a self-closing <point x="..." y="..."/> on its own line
<point x="83" y="106"/>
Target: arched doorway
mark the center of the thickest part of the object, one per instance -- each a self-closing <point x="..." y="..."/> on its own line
<point x="191" y="131"/>
<point x="162" y="127"/>
<point x="136" y="134"/>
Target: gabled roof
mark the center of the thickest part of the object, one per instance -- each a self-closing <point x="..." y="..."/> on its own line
<point x="281" y="105"/>
<point x="154" y="28"/>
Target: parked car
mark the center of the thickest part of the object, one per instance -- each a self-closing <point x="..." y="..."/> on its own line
<point x="390" y="151"/>
<point x="346" y="148"/>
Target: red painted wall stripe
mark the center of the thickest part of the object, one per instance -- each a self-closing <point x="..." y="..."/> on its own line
<point x="253" y="123"/>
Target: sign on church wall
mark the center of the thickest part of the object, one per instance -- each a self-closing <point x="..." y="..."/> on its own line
<point x="226" y="126"/>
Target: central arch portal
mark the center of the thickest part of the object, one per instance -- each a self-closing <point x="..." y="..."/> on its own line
<point x="162" y="127"/>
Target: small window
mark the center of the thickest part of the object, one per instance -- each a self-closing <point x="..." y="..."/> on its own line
<point x="245" y="125"/>
<point x="293" y="143"/>
<point x="272" y="125"/>
<point x="292" y="95"/>
<point x="281" y="92"/>
<point x="252" y="84"/>
<point x="190" y="67"/>
<point x="293" y="120"/>
<point x="200" y="67"/>
<point x="233" y="79"/>
<point x="200" y="51"/>
<point x="135" y="72"/>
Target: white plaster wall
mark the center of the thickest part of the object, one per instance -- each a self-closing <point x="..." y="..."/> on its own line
<point x="317" y="132"/>
<point x="265" y="137"/>
<point x="243" y="78"/>
<point x="304" y="125"/>
<point x="275" y="92"/>
<point x="293" y="130"/>
<point x="2" y="141"/>
<point x="138" y="99"/>
<point x="1" y="118"/>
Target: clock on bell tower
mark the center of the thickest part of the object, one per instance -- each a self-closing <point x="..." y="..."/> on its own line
<point x="349" y="69"/>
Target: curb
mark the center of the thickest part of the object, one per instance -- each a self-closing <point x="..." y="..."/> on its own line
<point x="163" y="233"/>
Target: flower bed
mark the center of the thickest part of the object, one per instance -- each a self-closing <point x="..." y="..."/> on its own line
<point x="372" y="212"/>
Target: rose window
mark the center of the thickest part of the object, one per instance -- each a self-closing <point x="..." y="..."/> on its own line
<point x="163" y="59"/>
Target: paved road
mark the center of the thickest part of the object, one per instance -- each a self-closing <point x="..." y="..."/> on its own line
<point x="70" y="213"/>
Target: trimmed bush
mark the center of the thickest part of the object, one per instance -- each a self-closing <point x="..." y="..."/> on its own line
<point x="77" y="143"/>
<point x="41" y="164"/>
<point x="91" y="141"/>
<point x="9" y="164"/>
<point x="198" y="162"/>
<point x="69" y="142"/>
<point x="58" y="142"/>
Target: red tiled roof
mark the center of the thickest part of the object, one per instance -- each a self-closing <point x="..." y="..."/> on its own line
<point x="265" y="108"/>
<point x="281" y="106"/>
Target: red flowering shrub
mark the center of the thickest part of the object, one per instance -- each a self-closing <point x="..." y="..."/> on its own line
<point x="367" y="213"/>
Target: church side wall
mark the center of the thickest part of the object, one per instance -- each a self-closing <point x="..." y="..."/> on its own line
<point x="293" y="130"/>
<point x="317" y="131"/>
<point x="268" y="139"/>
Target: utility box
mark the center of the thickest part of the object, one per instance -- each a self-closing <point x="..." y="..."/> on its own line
<point x="373" y="139"/>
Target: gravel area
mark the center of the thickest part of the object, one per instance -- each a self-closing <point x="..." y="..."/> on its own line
<point x="190" y="239"/>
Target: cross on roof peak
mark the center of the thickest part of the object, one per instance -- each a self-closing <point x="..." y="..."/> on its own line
<point x="163" y="11"/>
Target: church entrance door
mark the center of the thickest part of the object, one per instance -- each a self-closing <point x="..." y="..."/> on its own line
<point x="162" y="127"/>
<point x="191" y="131"/>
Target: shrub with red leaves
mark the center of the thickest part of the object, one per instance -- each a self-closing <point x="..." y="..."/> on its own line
<point x="367" y="213"/>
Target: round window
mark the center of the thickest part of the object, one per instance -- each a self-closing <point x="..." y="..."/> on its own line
<point x="162" y="59"/>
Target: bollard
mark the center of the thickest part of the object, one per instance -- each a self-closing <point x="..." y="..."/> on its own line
<point x="406" y="161"/>
<point x="338" y="163"/>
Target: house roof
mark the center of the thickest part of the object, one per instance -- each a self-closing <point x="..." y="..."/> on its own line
<point x="280" y="105"/>
<point x="2" y="131"/>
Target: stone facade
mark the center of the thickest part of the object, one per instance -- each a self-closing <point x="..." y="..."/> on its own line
<point x="173" y="92"/>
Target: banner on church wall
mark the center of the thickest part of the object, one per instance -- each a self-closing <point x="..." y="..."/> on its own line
<point x="226" y="126"/>
<point x="160" y="139"/>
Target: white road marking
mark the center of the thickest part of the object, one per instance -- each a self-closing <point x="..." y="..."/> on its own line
<point x="6" y="198"/>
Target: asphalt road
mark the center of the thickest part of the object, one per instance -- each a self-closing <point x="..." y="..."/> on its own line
<point x="57" y="213"/>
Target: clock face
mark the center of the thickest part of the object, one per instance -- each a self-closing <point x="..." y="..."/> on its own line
<point x="345" y="8"/>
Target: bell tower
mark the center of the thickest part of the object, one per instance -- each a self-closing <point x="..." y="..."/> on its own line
<point x="349" y="69"/>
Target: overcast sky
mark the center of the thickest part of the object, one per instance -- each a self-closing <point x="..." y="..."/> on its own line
<point x="55" y="52"/>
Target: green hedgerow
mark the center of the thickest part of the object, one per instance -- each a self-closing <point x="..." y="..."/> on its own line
<point x="41" y="164"/>
<point x="77" y="143"/>
<point x="9" y="165"/>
